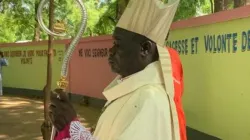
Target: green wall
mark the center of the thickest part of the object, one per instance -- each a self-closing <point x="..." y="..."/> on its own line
<point x="28" y="66"/>
<point x="217" y="92"/>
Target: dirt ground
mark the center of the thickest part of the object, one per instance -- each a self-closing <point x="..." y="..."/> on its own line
<point x="21" y="118"/>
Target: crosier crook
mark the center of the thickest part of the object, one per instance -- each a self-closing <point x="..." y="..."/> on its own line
<point x="63" y="83"/>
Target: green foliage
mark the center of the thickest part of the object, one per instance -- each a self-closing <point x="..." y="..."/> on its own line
<point x="107" y="21"/>
<point x="206" y="7"/>
<point x="6" y="30"/>
<point x="21" y="15"/>
<point x="187" y="9"/>
<point x="18" y="17"/>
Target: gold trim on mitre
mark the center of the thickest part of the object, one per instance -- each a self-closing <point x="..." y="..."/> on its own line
<point x="151" y="18"/>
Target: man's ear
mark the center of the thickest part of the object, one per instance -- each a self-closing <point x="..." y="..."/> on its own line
<point x="146" y="48"/>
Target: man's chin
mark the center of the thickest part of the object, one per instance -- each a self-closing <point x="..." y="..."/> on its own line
<point x="114" y="69"/>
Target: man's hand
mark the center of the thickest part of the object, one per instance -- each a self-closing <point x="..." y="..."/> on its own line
<point x="61" y="111"/>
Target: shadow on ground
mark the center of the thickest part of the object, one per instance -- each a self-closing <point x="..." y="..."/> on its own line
<point x="21" y="118"/>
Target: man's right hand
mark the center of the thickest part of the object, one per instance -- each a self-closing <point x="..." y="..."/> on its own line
<point x="61" y="111"/>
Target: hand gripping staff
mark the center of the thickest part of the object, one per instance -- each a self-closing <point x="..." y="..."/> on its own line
<point x="63" y="83"/>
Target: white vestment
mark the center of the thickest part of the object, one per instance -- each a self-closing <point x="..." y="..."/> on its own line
<point x="137" y="108"/>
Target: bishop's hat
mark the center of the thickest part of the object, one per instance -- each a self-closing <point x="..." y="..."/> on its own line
<point x="152" y="19"/>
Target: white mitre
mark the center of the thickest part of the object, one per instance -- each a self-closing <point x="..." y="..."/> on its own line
<point x="152" y="18"/>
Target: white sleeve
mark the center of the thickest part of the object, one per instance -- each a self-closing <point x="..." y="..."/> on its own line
<point x="78" y="132"/>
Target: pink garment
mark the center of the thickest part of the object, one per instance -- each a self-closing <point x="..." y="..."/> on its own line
<point x="64" y="133"/>
<point x="74" y="131"/>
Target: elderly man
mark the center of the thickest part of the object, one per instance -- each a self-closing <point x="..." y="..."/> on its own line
<point x="144" y="101"/>
<point x="3" y="62"/>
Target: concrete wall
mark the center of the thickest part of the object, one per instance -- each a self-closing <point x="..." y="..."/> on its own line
<point x="215" y="51"/>
<point x="89" y="72"/>
<point x="89" y="69"/>
<point x="27" y="65"/>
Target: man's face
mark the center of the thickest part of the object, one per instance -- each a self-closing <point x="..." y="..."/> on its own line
<point x="124" y="57"/>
